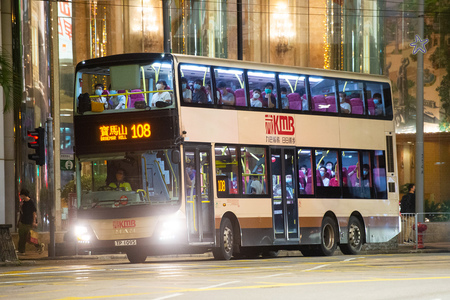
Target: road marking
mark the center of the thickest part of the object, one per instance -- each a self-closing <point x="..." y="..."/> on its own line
<point x="315" y="268"/>
<point x="274" y="275"/>
<point x="217" y="285"/>
<point x="53" y="272"/>
<point x="169" y="296"/>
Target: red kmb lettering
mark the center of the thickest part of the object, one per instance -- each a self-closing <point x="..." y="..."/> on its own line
<point x="124" y="224"/>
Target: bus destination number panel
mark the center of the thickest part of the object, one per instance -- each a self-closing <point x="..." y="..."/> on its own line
<point x="132" y="131"/>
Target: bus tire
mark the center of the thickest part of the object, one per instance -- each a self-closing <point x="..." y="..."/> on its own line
<point x="136" y="256"/>
<point x="355" y="237"/>
<point x="226" y="241"/>
<point x="329" y="237"/>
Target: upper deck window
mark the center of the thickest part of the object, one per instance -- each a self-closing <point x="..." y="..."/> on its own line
<point x="196" y="84"/>
<point x="264" y="85"/>
<point x="230" y="84"/>
<point x="293" y="92"/>
<point x="323" y="94"/>
<point x="114" y="88"/>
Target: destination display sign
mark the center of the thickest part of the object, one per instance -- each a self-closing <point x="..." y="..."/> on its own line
<point x="103" y="133"/>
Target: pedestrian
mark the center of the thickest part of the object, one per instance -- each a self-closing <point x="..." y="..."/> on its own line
<point x="408" y="210"/>
<point x="27" y="221"/>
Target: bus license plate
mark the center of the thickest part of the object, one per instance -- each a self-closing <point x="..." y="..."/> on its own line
<point x="125" y="243"/>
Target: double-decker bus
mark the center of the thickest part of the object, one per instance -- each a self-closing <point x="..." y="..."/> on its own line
<point x="183" y="154"/>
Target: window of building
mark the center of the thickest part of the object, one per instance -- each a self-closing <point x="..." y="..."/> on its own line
<point x="264" y="85"/>
<point x="293" y="92"/>
<point x="323" y="97"/>
<point x="231" y="85"/>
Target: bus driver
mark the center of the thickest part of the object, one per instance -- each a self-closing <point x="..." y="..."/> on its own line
<point x="120" y="181"/>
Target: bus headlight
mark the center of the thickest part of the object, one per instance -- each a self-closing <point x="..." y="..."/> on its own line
<point x="81" y="233"/>
<point x="170" y="229"/>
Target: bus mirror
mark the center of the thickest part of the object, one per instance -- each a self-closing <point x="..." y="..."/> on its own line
<point x="176" y="157"/>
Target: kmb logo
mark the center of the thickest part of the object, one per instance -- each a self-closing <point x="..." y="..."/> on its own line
<point x="283" y="125"/>
<point x="124" y="224"/>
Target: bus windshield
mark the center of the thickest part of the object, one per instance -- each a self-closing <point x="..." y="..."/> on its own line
<point x="150" y="177"/>
<point x="108" y="88"/>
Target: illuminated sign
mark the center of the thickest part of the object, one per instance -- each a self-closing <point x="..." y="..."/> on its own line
<point x="124" y="224"/>
<point x="127" y="131"/>
<point x="120" y="132"/>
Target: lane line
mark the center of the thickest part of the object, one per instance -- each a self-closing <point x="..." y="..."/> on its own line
<point x="169" y="296"/>
<point x="315" y="268"/>
<point x="217" y="285"/>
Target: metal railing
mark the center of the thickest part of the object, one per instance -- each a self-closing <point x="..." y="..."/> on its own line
<point x="433" y="232"/>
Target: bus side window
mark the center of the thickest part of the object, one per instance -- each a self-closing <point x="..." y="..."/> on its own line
<point x="265" y="82"/>
<point x="227" y="171"/>
<point x="305" y="178"/>
<point x="379" y="175"/>
<point x="254" y="170"/>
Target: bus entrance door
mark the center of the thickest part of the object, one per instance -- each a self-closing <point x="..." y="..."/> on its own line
<point x="284" y="194"/>
<point x="199" y="202"/>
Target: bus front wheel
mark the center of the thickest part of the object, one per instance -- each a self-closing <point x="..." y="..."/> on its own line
<point x="355" y="237"/>
<point x="226" y="240"/>
<point x="136" y="257"/>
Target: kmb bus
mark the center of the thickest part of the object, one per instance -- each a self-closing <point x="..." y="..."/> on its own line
<point x="183" y="154"/>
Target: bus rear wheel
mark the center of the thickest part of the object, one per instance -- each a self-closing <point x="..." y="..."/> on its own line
<point x="329" y="237"/>
<point x="226" y="241"/>
<point x="136" y="256"/>
<point x="355" y="237"/>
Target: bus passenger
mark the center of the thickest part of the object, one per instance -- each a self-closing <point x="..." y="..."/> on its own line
<point x="256" y="186"/>
<point x="323" y="177"/>
<point x="255" y="101"/>
<point x="271" y="99"/>
<point x="345" y="107"/>
<point x="99" y="88"/>
<point x="330" y="169"/>
<point x="302" y="92"/>
<point x="199" y="93"/>
<point x="284" y="98"/>
<point x="378" y="104"/>
<point x="187" y="93"/>
<point x="120" y="182"/>
<point x="116" y="102"/>
<point x="161" y="96"/>
<point x="227" y="97"/>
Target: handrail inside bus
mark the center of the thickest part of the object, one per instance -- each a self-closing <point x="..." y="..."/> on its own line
<point x="162" y="175"/>
<point x="143" y="84"/>
<point x="173" y="172"/>
<point x="146" y="178"/>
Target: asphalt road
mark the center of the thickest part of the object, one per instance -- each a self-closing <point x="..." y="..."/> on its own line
<point x="394" y="276"/>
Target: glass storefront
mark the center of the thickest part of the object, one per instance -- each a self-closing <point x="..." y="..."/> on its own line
<point x="362" y="36"/>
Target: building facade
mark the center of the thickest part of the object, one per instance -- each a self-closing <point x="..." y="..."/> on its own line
<point x="48" y="38"/>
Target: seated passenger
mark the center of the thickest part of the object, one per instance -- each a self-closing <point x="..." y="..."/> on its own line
<point x="330" y="169"/>
<point x="227" y="97"/>
<point x="255" y="101"/>
<point x="284" y="98"/>
<point x="378" y="104"/>
<point x="187" y="93"/>
<point x="365" y="178"/>
<point x="302" y="92"/>
<point x="323" y="177"/>
<point x="199" y="95"/>
<point x="256" y="186"/>
<point x="161" y="96"/>
<point x="345" y="107"/>
<point x="99" y="88"/>
<point x="116" y="101"/>
<point x="271" y="98"/>
<point x="120" y="181"/>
